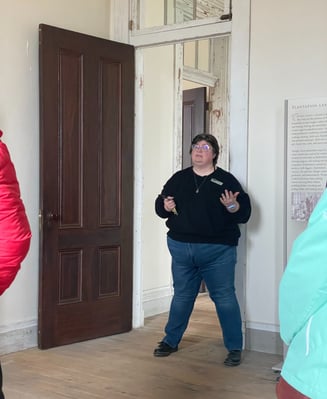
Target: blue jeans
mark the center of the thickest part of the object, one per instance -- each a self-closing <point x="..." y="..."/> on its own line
<point x="215" y="264"/>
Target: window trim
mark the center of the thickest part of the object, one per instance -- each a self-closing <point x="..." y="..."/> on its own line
<point x="171" y="34"/>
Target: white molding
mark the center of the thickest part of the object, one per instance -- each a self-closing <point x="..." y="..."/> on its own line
<point x="138" y="312"/>
<point x="178" y="107"/>
<point x="227" y="6"/>
<point x="157" y="301"/>
<point x="135" y="16"/>
<point x="200" y="77"/>
<point x="259" y="340"/>
<point x="239" y="89"/>
<point x="119" y="21"/>
<point x="17" y="326"/>
<point x="238" y="133"/>
<point x="219" y="98"/>
<point x="18" y="336"/>
<point x="262" y="326"/>
<point x="170" y="34"/>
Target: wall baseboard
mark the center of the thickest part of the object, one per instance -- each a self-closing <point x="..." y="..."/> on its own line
<point x="15" y="338"/>
<point x="156" y="301"/>
<point x="18" y="339"/>
<point x="263" y="341"/>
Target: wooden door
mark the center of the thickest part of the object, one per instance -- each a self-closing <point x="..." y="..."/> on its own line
<point x="194" y="118"/>
<point x="86" y="187"/>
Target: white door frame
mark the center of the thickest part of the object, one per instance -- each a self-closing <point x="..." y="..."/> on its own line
<point x="239" y="29"/>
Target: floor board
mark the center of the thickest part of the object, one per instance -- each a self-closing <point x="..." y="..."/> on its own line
<point x="123" y="367"/>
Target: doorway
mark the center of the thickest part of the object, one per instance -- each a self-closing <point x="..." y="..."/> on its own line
<point x="201" y="105"/>
<point x="194" y="119"/>
<point x="153" y="289"/>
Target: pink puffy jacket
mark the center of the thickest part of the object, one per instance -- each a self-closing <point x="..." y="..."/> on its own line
<point x="15" y="232"/>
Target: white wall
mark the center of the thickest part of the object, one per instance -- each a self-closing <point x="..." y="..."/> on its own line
<point x="19" y="119"/>
<point x="288" y="59"/>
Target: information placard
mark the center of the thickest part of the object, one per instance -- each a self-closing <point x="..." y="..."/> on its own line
<point x="306" y="155"/>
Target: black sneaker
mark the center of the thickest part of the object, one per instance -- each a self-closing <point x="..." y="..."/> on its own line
<point x="164" y="349"/>
<point x="233" y="358"/>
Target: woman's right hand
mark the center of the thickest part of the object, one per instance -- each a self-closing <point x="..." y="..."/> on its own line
<point x="169" y="204"/>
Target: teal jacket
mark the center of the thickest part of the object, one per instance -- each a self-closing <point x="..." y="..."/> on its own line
<point x="303" y="308"/>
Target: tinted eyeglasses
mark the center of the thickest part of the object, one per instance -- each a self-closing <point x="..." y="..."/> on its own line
<point x="204" y="147"/>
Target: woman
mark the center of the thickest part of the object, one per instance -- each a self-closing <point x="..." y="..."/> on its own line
<point x="303" y="312"/>
<point x="15" y="233"/>
<point x="203" y="205"/>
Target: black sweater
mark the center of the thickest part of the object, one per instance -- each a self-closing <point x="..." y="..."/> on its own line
<point x="201" y="216"/>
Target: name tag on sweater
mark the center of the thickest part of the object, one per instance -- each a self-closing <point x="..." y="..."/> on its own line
<point x="220" y="183"/>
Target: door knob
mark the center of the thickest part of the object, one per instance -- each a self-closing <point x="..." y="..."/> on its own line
<point x="51" y="217"/>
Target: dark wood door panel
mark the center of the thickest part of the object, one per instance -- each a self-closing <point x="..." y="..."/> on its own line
<point x="86" y="186"/>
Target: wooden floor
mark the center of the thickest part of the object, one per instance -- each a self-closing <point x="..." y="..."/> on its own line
<point x="123" y="367"/>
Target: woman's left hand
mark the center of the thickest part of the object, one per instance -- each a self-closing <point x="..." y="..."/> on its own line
<point x="229" y="200"/>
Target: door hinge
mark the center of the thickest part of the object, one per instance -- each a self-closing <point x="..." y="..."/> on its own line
<point x="131" y="24"/>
